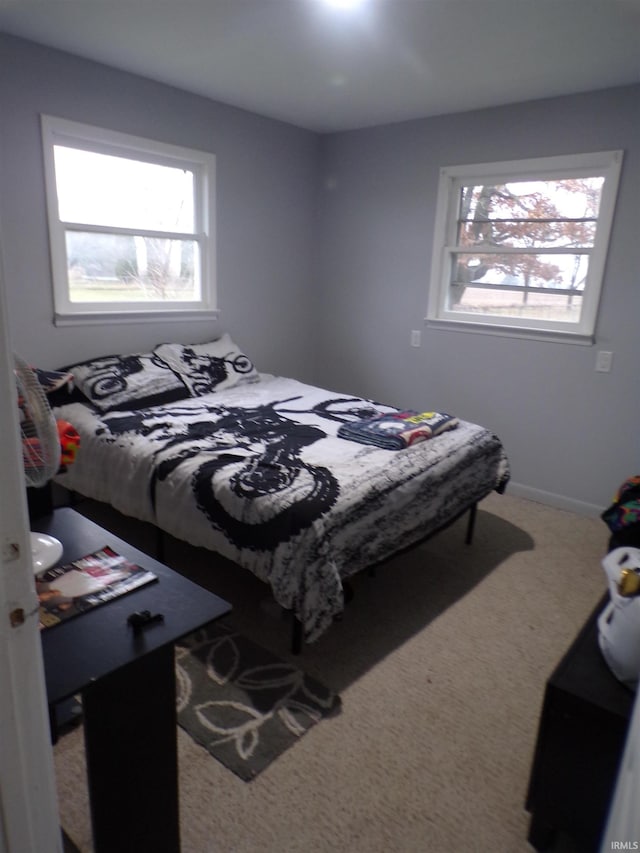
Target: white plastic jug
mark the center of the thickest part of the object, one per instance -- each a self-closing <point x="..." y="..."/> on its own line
<point x="619" y="622"/>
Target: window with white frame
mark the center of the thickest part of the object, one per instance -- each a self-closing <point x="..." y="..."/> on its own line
<point x="520" y="247"/>
<point x="131" y="225"/>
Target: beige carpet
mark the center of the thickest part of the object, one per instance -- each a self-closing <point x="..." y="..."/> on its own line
<point x="440" y="661"/>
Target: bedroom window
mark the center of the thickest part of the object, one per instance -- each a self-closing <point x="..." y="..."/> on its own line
<point x="131" y="226"/>
<point x="520" y="247"/>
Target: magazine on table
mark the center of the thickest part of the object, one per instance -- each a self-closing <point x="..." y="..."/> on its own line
<point x="66" y="591"/>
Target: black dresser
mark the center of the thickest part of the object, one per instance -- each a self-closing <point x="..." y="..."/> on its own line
<point x="581" y="737"/>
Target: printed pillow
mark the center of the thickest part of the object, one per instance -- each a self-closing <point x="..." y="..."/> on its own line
<point x="128" y="382"/>
<point x="209" y="367"/>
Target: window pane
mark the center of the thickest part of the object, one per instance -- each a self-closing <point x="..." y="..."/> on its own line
<point x="111" y="268"/>
<point x="99" y="189"/>
<point x="550" y="306"/>
<point x="522" y="270"/>
<point x="550" y="234"/>
<point x="531" y="214"/>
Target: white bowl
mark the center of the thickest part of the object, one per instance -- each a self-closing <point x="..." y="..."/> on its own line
<point x="45" y="551"/>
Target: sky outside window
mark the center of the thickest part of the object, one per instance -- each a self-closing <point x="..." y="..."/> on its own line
<point x="103" y="190"/>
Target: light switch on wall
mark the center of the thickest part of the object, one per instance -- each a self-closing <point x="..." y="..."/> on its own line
<point x="604" y="361"/>
<point x="415" y="338"/>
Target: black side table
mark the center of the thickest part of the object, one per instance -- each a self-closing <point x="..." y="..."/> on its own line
<point x="585" y="716"/>
<point x="127" y="683"/>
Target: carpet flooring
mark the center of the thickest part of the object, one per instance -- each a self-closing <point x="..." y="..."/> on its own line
<point x="440" y="661"/>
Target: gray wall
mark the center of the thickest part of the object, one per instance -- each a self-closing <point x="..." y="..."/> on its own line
<point x="572" y="434"/>
<point x="265" y="209"/>
<point x="324" y="252"/>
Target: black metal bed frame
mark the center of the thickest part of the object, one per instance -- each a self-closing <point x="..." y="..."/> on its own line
<point x="296" y="626"/>
<point x="45" y="503"/>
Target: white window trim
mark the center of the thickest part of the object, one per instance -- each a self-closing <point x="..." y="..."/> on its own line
<point x="605" y="163"/>
<point x="57" y="131"/>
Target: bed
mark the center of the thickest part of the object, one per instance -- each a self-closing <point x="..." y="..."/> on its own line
<point x="196" y="441"/>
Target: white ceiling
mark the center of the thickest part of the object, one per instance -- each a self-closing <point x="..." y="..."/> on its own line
<point x="329" y="69"/>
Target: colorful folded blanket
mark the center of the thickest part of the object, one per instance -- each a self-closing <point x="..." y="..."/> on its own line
<point x="397" y="430"/>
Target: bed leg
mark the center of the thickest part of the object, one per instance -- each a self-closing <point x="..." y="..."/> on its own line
<point x="296" y="635"/>
<point x="471" y="524"/>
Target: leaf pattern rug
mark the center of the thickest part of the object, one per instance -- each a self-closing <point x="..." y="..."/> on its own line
<point x="242" y="703"/>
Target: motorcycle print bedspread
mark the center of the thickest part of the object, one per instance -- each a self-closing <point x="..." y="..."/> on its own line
<point x="258" y="474"/>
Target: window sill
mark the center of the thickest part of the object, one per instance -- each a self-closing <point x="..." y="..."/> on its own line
<point x="100" y="318"/>
<point x="545" y="335"/>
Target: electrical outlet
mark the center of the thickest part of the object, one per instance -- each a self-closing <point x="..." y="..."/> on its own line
<point x="604" y="361"/>
<point x="415" y="338"/>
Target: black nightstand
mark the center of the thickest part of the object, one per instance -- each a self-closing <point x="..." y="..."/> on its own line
<point x="585" y="716"/>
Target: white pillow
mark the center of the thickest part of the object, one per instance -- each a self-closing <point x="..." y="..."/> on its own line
<point x="208" y="367"/>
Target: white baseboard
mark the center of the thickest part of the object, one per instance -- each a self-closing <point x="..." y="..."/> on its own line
<point x="551" y="499"/>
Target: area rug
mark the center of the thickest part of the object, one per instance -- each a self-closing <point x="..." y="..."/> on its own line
<point x="243" y="704"/>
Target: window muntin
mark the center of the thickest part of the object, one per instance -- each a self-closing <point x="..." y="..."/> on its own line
<point x="131" y="225"/>
<point x="522" y="245"/>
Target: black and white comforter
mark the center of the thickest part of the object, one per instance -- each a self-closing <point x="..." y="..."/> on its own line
<point x="257" y="473"/>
